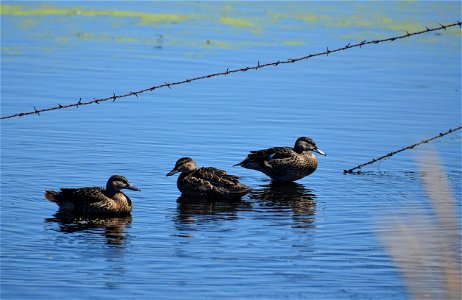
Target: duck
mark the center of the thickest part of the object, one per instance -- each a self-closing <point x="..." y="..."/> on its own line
<point x="95" y="200"/>
<point x="285" y="164"/>
<point x="206" y="182"/>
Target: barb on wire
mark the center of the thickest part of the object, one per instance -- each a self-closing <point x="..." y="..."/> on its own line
<point x="228" y="71"/>
<point x="350" y="171"/>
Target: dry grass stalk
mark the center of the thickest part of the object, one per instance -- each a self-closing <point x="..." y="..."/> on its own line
<point x="427" y="248"/>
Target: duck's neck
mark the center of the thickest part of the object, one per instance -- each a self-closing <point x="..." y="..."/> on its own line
<point x="298" y="149"/>
<point x="111" y="191"/>
<point x="186" y="173"/>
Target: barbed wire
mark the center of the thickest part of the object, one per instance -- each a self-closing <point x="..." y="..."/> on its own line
<point x="114" y="97"/>
<point x="350" y="171"/>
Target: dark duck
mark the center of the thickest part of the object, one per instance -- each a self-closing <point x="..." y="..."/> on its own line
<point x="206" y="182"/>
<point x="95" y="200"/>
<point x="285" y="164"/>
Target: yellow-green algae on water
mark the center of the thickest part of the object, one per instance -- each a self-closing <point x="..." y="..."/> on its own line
<point x="51" y="10"/>
<point x="271" y="24"/>
<point x="236" y="22"/>
<point x="294" y="43"/>
<point x="230" y="15"/>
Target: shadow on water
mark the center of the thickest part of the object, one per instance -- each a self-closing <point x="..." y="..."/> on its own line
<point x="197" y="211"/>
<point x="291" y="195"/>
<point x="113" y="228"/>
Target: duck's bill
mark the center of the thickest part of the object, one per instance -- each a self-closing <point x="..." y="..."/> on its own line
<point x="133" y="188"/>
<point x="320" y="151"/>
<point x="172" y="172"/>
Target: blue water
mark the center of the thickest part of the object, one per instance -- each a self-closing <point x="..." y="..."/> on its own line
<point x="314" y="239"/>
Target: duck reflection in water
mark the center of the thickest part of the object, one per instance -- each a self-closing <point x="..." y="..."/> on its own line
<point x="292" y="195"/>
<point x="113" y="227"/>
<point x="196" y="210"/>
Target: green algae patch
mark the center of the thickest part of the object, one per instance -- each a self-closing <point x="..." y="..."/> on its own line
<point x="220" y="44"/>
<point x="236" y="22"/>
<point x="44" y="10"/>
<point x="272" y="25"/>
<point x="50" y="10"/>
<point x="240" y="23"/>
<point x="13" y="51"/>
<point x="294" y="43"/>
<point x="88" y="36"/>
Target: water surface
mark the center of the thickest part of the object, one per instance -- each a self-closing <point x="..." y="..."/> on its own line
<point x="316" y="238"/>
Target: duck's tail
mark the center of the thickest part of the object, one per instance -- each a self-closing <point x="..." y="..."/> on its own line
<point x="253" y="160"/>
<point x="51" y="195"/>
<point x="249" y="164"/>
<point x="243" y="163"/>
<point x="240" y="190"/>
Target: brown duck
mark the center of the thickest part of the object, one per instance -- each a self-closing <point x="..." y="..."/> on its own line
<point x="95" y="200"/>
<point x="206" y="182"/>
<point x="284" y="164"/>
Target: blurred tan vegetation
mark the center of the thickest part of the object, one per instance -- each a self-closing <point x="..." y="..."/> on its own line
<point x="427" y="247"/>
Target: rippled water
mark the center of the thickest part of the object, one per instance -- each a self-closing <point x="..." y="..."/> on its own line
<point x="316" y="238"/>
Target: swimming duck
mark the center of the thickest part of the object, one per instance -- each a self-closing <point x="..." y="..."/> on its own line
<point x="206" y="182"/>
<point x="284" y="164"/>
<point x="95" y="200"/>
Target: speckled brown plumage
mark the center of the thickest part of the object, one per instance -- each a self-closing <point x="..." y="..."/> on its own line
<point x="206" y="182"/>
<point x="285" y="164"/>
<point x="95" y="200"/>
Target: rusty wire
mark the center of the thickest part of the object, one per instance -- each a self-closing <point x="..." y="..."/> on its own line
<point x="350" y="171"/>
<point x="114" y="97"/>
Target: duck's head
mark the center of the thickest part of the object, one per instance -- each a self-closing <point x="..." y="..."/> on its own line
<point x="117" y="183"/>
<point x="306" y="144"/>
<point x="184" y="165"/>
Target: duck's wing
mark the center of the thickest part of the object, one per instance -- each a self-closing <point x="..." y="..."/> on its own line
<point x="267" y="156"/>
<point x="216" y="175"/>
<point x="279" y="153"/>
<point x="80" y="195"/>
<point x="210" y="180"/>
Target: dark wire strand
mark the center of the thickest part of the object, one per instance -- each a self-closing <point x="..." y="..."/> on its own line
<point x="351" y="171"/>
<point x="114" y="97"/>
